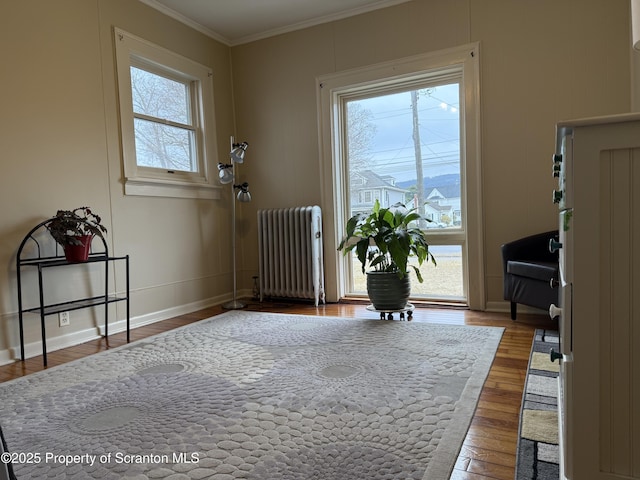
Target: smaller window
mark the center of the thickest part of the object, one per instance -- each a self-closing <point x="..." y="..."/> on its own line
<point x="166" y="112"/>
<point x="164" y="127"/>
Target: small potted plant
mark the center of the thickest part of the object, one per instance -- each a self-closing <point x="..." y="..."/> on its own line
<point x="74" y="231"/>
<point x="384" y="240"/>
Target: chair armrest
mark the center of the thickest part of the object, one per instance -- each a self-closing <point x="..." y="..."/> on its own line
<point x="534" y="247"/>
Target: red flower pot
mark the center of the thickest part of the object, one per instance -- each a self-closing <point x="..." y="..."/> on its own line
<point x="79" y="253"/>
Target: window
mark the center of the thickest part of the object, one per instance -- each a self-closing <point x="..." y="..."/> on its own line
<point x="164" y="127"/>
<point x="433" y="164"/>
<point x="166" y="121"/>
<point x="406" y="139"/>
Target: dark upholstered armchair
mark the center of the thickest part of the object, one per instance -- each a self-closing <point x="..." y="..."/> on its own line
<point x="530" y="272"/>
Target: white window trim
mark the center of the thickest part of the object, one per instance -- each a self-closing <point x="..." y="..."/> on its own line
<point x="332" y="175"/>
<point x="139" y="180"/>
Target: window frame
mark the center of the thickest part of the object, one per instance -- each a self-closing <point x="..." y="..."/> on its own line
<point x="132" y="51"/>
<point x="332" y="87"/>
<point x="451" y="236"/>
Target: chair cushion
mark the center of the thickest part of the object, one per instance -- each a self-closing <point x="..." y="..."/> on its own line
<point x="543" y="271"/>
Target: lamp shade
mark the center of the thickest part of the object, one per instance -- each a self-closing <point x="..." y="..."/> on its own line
<point x="635" y="24"/>
<point x="237" y="152"/>
<point x="243" y="192"/>
<point x="225" y="173"/>
<point x="244" y="196"/>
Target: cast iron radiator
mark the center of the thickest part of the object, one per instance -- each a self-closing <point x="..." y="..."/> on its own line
<point x="290" y="250"/>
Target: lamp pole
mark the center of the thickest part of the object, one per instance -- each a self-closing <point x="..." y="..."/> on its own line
<point x="234" y="304"/>
<point x="243" y="196"/>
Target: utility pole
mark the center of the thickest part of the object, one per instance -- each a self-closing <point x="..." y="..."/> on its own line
<point x="418" y="153"/>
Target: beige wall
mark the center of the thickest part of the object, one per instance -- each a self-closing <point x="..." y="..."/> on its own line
<point x="60" y="149"/>
<point x="541" y="62"/>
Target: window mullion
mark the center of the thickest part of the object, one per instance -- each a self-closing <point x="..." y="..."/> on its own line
<point x="164" y="121"/>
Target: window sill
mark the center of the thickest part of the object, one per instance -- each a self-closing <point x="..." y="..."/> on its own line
<point x="162" y="188"/>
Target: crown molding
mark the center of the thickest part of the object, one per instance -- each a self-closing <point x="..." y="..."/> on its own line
<point x="271" y="32"/>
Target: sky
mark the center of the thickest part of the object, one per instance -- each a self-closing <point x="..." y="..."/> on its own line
<point x="392" y="149"/>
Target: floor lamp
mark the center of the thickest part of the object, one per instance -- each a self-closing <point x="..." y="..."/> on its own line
<point x="227" y="176"/>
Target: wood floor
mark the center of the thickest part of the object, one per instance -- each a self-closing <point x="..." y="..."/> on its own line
<point x="489" y="449"/>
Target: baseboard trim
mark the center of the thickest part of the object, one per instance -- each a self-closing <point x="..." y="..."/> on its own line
<point x="5" y="357"/>
<point x="505" y="307"/>
<point x="32" y="349"/>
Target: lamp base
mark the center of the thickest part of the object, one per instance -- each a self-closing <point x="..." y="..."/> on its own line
<point x="234" y="305"/>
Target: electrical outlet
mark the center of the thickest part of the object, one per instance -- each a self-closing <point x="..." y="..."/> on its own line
<point x="64" y="319"/>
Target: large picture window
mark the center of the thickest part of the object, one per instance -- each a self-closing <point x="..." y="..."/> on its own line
<point x="166" y="111"/>
<point x="407" y="131"/>
<point x="405" y="143"/>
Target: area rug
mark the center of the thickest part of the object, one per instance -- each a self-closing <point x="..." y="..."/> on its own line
<point x="256" y="396"/>
<point x="538" y="452"/>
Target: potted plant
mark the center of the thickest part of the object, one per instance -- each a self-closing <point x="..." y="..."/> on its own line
<point x="74" y="231"/>
<point x="384" y="240"/>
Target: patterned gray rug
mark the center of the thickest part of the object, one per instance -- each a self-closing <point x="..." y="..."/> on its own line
<point x="256" y="396"/>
